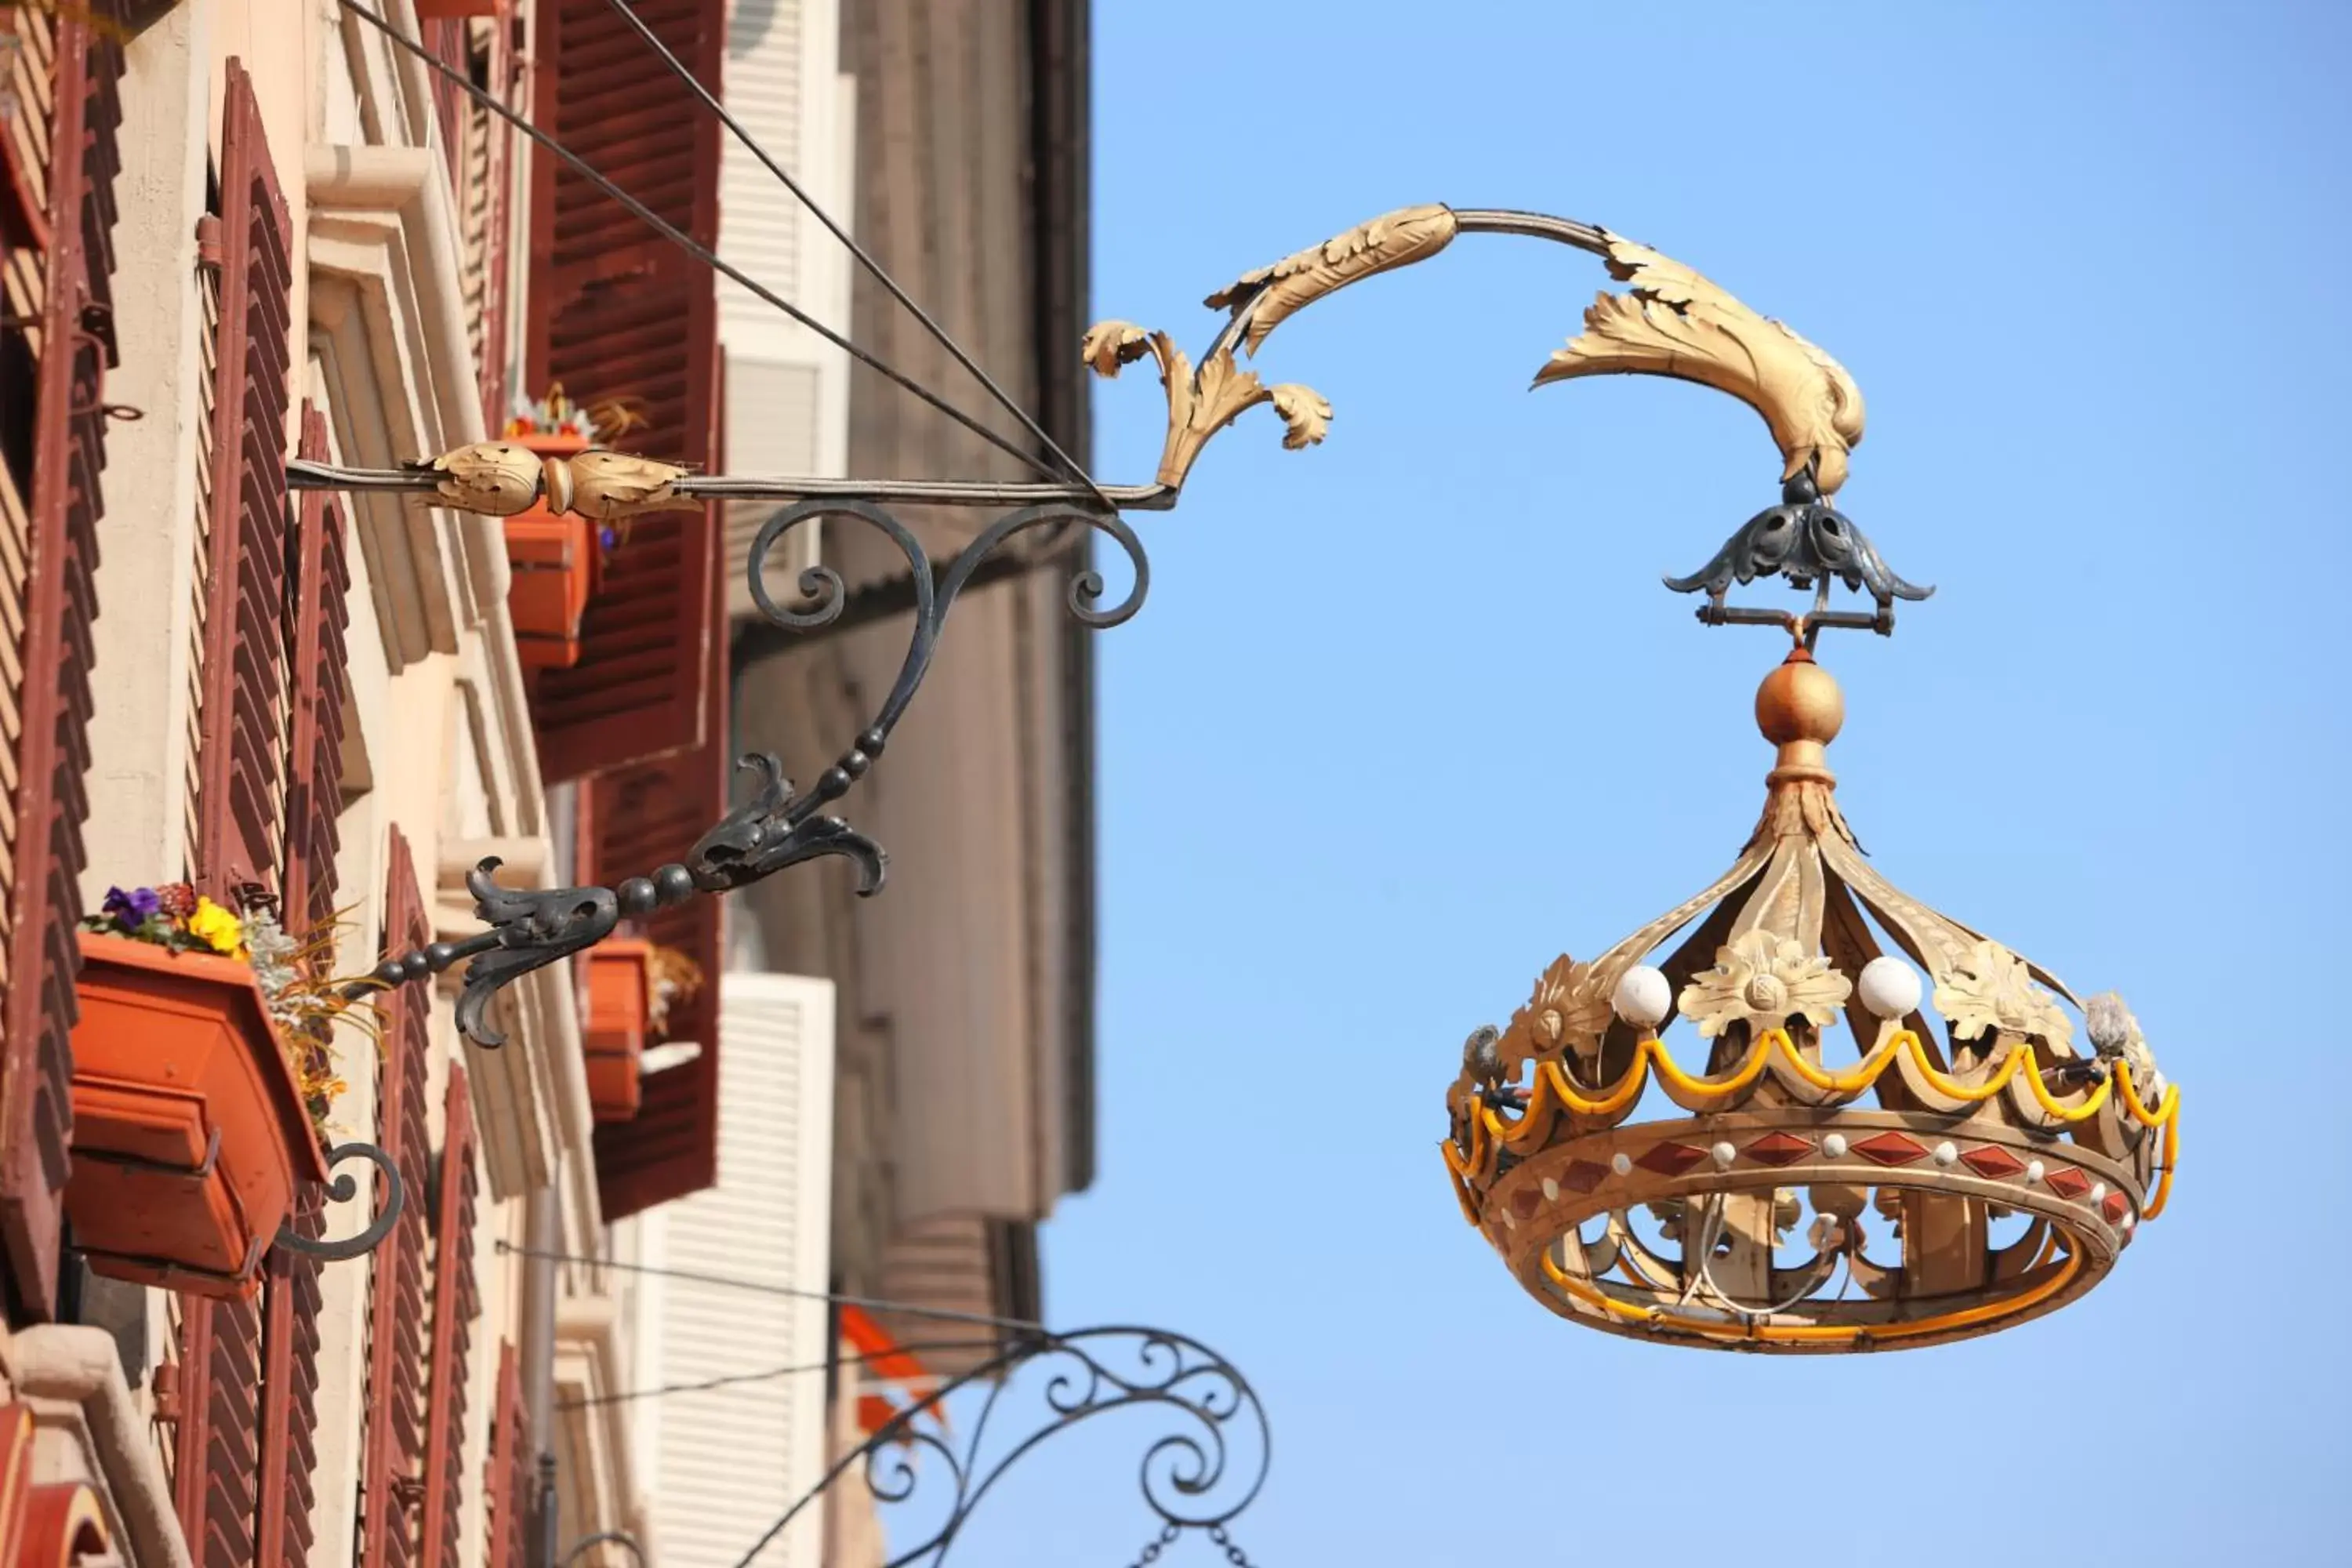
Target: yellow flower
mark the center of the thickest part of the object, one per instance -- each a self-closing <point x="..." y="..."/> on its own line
<point x="216" y="925"/>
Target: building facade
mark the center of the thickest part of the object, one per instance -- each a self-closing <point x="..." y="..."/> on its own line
<point x="240" y="231"/>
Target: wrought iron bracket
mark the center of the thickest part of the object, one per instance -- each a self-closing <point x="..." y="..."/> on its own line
<point x="1669" y="320"/>
<point x="778" y="826"/>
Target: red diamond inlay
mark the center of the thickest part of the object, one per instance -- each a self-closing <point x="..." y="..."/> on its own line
<point x="1779" y="1149"/>
<point x="1671" y="1159"/>
<point x="2069" y="1183"/>
<point x="2114" y="1208"/>
<point x="1992" y="1161"/>
<point x="1524" y="1202"/>
<point x="1582" y="1176"/>
<point x="1890" y="1148"/>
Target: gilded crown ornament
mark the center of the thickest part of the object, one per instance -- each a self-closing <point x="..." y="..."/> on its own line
<point x="1841" y="1156"/>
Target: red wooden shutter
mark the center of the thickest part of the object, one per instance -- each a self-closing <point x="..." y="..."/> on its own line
<point x="315" y="620"/>
<point x="394" y="1439"/>
<point x="455" y="1302"/>
<point x="318" y="617"/>
<point x="289" y="1389"/>
<point x="217" y="1449"/>
<point x="633" y="821"/>
<point x="57" y="230"/>
<point x="239" y="778"/>
<point x="506" y="1479"/>
<point x="620" y="312"/>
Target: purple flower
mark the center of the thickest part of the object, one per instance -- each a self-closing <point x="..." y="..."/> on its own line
<point x="607" y="539"/>
<point x="133" y="908"/>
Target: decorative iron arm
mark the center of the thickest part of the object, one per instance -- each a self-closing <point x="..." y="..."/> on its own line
<point x="1206" y="1465"/>
<point x="1669" y="322"/>
<point x="531" y="928"/>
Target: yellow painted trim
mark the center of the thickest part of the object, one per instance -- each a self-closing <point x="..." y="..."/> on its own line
<point x="1808" y="1333"/>
<point x="1554" y="1091"/>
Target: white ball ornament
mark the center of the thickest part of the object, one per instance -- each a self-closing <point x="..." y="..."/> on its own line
<point x="1889" y="989"/>
<point x="1621" y="1164"/>
<point x="1643" y="997"/>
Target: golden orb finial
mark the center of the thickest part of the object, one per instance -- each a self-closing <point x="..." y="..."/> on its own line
<point x="1800" y="710"/>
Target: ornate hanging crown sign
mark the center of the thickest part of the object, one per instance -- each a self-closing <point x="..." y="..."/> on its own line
<point x="1674" y="1139"/>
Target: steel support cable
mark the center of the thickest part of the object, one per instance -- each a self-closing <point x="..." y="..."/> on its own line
<point x="686" y="243"/>
<point x="752" y="144"/>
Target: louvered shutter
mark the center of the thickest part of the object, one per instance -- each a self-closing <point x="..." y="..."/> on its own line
<point x="289" y="1391"/>
<point x="723" y="1469"/>
<point x="217" y="1448"/>
<point x="506" y="1478"/>
<point x="57" y="223"/>
<point x="455" y="1302"/>
<point x="318" y="615"/>
<point x="240" y="782"/>
<point x="619" y="312"/>
<point x="394" y="1441"/>
<point x="632" y="822"/>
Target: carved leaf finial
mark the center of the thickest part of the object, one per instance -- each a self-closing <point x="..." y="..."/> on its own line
<point x="1674" y="323"/>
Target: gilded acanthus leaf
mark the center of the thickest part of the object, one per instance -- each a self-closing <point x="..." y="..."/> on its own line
<point x="1201" y="405"/>
<point x="1393" y="239"/>
<point x="612" y="486"/>
<point x="1764" y="979"/>
<point x="1306" y="415"/>
<point x="488" y="479"/>
<point x="1674" y="323"/>
<point x="1108" y="345"/>
<point x="1990" y="989"/>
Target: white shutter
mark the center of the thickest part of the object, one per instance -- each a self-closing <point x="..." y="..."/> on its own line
<point x="787" y="390"/>
<point x="722" y="1464"/>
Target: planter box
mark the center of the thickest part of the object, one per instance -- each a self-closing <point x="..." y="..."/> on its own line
<point x="190" y="1139"/>
<point x="554" y="567"/>
<point x="457" y="10"/>
<point x="619" y="996"/>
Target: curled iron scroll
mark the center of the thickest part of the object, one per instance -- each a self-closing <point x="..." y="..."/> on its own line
<point x="1204" y="1466"/>
<point x="341" y="1190"/>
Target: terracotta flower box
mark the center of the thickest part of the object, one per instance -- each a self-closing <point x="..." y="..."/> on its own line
<point x="615" y="1022"/>
<point x="556" y="567"/>
<point x="190" y="1138"/>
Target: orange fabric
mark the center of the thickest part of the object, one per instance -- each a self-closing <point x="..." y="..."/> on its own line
<point x="883" y="1357"/>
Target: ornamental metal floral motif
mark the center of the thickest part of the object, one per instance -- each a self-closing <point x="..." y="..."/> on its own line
<point x="1990" y="991"/>
<point x="1763" y="979"/>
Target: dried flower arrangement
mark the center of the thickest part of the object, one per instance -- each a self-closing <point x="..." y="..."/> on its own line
<point x="676" y="979"/>
<point x="306" y="1002"/>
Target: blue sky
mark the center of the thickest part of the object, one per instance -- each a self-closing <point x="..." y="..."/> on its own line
<point x="1408" y="714"/>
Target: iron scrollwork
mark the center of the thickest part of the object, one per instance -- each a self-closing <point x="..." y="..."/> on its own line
<point x="1207" y="1464"/>
<point x="341" y="1190"/>
<point x="531" y="928"/>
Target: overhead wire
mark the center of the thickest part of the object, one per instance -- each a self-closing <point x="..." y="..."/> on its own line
<point x="686" y="243"/>
<point x="768" y="1374"/>
<point x="759" y="1287"/>
<point x="881" y="275"/>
